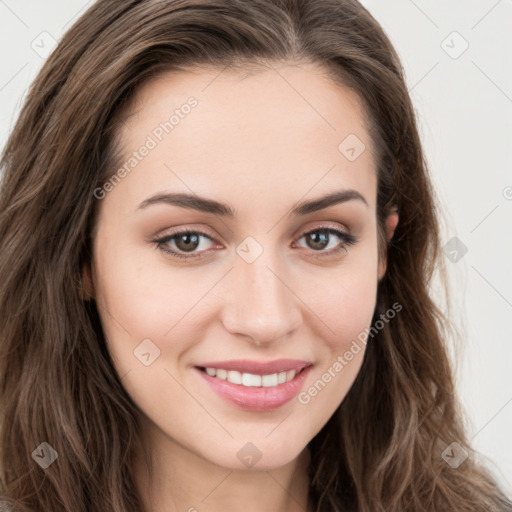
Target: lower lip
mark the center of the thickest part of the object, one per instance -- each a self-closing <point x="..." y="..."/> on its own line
<point x="256" y="398"/>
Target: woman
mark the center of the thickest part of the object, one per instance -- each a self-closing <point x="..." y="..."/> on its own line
<point x="218" y="232"/>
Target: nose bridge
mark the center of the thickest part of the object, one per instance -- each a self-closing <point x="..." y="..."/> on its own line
<point x="260" y="305"/>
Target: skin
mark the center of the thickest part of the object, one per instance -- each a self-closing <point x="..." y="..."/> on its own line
<point x="260" y="142"/>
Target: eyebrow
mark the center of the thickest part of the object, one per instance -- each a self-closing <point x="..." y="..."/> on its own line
<point x="205" y="205"/>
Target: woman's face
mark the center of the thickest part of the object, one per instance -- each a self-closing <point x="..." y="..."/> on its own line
<point x="269" y="272"/>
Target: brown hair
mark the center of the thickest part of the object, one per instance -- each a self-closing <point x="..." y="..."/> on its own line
<point x="381" y="450"/>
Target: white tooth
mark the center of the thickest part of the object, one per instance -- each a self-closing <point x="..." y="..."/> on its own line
<point x="290" y="374"/>
<point x="222" y="374"/>
<point x="269" y="380"/>
<point x="251" y="380"/>
<point x="234" y="377"/>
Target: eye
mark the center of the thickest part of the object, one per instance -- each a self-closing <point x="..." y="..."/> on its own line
<point x="189" y="244"/>
<point x="321" y="238"/>
<point x="183" y="244"/>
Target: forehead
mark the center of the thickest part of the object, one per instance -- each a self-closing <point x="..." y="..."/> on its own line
<point x="275" y="127"/>
<point x="283" y="96"/>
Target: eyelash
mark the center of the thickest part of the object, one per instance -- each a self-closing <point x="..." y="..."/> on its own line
<point x="347" y="240"/>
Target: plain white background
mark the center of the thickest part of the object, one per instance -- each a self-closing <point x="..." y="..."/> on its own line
<point x="457" y="57"/>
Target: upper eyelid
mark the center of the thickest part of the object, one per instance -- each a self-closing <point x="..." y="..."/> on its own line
<point x="204" y="232"/>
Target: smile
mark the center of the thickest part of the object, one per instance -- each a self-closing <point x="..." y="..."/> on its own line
<point x="255" y="386"/>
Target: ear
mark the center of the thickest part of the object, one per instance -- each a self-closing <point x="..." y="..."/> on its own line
<point x="87" y="288"/>
<point x="391" y="223"/>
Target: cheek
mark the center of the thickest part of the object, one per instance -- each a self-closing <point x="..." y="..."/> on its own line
<point x="344" y="297"/>
<point x="344" y="303"/>
<point x="347" y="312"/>
<point x="140" y="298"/>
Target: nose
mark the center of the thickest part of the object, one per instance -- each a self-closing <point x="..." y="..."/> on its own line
<point x="262" y="304"/>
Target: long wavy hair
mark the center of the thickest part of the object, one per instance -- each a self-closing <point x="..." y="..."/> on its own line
<point x="382" y="448"/>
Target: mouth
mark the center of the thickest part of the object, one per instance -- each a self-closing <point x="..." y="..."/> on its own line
<point x="260" y="389"/>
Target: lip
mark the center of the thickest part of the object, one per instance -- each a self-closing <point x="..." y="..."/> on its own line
<point x="258" y="367"/>
<point x="256" y="398"/>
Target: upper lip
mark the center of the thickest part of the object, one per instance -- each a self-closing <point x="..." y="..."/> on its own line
<point x="258" y="367"/>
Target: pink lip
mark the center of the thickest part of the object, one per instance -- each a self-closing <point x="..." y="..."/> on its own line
<point x="258" y="367"/>
<point x="256" y="398"/>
